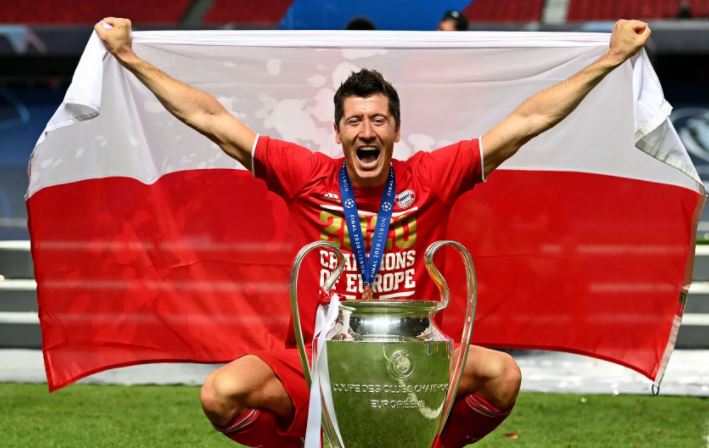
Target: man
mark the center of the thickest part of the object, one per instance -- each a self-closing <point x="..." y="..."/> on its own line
<point x="453" y="21"/>
<point x="261" y="399"/>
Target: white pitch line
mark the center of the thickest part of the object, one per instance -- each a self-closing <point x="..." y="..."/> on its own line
<point x="19" y="317"/>
<point x="18" y="284"/>
<point x="699" y="288"/>
<point x="15" y="245"/>
<point x="695" y="319"/>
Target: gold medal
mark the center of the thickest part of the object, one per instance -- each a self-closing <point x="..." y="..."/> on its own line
<point x="367" y="293"/>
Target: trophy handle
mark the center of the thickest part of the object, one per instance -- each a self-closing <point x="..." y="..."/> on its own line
<point x="329" y="283"/>
<point x="472" y="290"/>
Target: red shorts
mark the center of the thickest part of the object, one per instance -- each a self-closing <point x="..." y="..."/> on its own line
<point x="288" y="368"/>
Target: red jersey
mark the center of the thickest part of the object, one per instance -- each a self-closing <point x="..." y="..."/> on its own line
<point x="427" y="185"/>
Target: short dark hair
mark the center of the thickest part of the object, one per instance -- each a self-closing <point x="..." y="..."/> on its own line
<point x="365" y="83"/>
<point x="360" y="23"/>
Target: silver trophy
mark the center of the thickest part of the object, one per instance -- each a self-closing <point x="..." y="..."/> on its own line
<point x="388" y="364"/>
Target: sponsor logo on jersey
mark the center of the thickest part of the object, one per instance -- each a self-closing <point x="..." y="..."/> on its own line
<point x="333" y="197"/>
<point x="405" y="199"/>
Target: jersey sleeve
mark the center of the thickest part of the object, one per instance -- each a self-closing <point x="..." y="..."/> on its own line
<point x="453" y="169"/>
<point x="284" y="166"/>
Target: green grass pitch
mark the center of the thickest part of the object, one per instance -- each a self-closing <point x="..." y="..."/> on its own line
<point x="170" y="416"/>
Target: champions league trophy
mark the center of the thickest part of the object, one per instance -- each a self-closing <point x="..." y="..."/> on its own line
<point x="385" y="367"/>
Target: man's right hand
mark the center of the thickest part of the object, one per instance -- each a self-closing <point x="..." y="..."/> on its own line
<point x="115" y="34"/>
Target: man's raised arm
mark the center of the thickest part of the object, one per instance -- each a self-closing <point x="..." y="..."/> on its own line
<point x="194" y="107"/>
<point x="545" y="109"/>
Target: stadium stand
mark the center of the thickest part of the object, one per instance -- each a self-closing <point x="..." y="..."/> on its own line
<point x="56" y="12"/>
<point x="496" y="11"/>
<point x="586" y="10"/>
<point x="252" y="12"/>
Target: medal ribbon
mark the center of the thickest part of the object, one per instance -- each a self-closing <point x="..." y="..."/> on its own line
<point x="368" y="266"/>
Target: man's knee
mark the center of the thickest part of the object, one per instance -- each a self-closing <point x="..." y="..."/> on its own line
<point x="220" y="398"/>
<point x="493" y="374"/>
<point x="229" y="390"/>
<point x="509" y="381"/>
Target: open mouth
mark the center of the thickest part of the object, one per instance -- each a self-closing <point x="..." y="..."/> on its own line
<point x="368" y="154"/>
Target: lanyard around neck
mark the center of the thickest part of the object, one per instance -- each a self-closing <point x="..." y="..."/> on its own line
<point x="368" y="266"/>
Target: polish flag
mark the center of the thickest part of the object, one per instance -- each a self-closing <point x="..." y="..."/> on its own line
<point x="152" y="245"/>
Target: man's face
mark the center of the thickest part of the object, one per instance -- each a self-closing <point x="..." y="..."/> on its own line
<point x="367" y="133"/>
<point x="447" y="25"/>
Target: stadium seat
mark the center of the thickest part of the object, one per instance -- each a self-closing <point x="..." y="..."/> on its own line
<point x="56" y="12"/>
<point x="252" y="12"/>
<point x="585" y="10"/>
<point x="497" y="11"/>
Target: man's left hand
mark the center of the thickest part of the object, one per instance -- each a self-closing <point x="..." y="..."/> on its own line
<point x="628" y="38"/>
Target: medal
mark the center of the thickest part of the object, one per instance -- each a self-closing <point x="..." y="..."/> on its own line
<point x="367" y="293"/>
<point x="368" y="265"/>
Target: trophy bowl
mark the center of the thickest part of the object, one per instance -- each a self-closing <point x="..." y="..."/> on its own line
<point x="389" y="367"/>
<point x="386" y="366"/>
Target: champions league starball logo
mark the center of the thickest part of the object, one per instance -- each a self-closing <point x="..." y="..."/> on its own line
<point x="401" y="364"/>
<point x="349" y="203"/>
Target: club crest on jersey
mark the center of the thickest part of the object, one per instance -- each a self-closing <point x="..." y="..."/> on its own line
<point x="333" y="197"/>
<point x="405" y="199"/>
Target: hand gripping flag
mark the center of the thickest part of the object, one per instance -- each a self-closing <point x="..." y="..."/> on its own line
<point x="150" y="244"/>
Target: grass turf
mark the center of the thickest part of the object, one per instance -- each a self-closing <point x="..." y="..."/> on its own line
<point x="169" y="416"/>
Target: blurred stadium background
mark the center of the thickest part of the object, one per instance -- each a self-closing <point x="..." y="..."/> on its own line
<point x="41" y="42"/>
